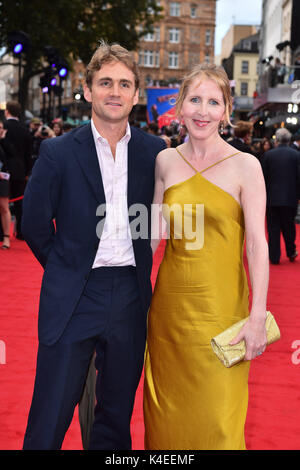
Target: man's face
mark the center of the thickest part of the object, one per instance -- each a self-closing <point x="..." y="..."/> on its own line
<point x="248" y="138"/>
<point x="2" y="130"/>
<point x="34" y="126"/>
<point x="112" y="93"/>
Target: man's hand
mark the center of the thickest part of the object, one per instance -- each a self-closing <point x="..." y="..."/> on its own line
<point x="3" y="133"/>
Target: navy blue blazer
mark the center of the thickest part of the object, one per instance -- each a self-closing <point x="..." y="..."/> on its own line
<point x="66" y="187"/>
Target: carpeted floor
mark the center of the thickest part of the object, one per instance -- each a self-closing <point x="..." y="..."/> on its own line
<point x="273" y="420"/>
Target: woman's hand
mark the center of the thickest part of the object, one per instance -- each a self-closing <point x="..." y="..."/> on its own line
<point x="255" y="336"/>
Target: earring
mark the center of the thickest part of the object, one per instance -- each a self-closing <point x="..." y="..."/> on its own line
<point x="181" y="124"/>
<point x="221" y="127"/>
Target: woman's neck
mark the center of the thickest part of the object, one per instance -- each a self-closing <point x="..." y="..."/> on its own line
<point x="204" y="149"/>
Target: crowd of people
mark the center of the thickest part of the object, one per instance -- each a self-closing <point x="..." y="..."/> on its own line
<point x="240" y="136"/>
<point x="278" y="72"/>
<point x="19" y="149"/>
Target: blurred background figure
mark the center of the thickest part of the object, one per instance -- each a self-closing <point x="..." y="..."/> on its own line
<point x="255" y="148"/>
<point x="153" y="128"/>
<point x="155" y="113"/>
<point x="18" y="137"/>
<point x="280" y="70"/>
<point x="43" y="132"/>
<point x="57" y="127"/>
<point x="281" y="167"/>
<point x="173" y="131"/>
<point x="296" y="141"/>
<point x="183" y="134"/>
<point x="242" y="139"/>
<point x="297" y="68"/>
<point x="5" y="215"/>
<point x="173" y="134"/>
<point x="166" y="139"/>
<point x="66" y="127"/>
<point x="264" y="145"/>
<point x="34" y="125"/>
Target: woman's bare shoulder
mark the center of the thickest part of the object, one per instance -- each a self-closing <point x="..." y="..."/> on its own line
<point x="249" y="162"/>
<point x="166" y="153"/>
<point x="245" y="158"/>
<point x="165" y="158"/>
<point x="250" y="172"/>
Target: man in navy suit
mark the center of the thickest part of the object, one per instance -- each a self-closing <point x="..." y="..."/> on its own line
<point x="281" y="167"/>
<point x="96" y="287"/>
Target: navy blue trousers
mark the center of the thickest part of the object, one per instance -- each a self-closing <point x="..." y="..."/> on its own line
<point x="109" y="320"/>
<point x="281" y="220"/>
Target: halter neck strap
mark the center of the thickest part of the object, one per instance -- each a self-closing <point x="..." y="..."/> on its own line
<point x="216" y="163"/>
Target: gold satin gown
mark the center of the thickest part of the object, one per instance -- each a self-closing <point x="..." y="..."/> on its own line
<point x="191" y="400"/>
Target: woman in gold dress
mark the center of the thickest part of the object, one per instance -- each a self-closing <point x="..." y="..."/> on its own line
<point x="211" y="196"/>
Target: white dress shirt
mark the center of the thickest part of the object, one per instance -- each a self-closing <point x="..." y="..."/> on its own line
<point x="115" y="247"/>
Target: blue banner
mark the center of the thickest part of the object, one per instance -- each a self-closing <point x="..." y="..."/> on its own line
<point x="160" y="105"/>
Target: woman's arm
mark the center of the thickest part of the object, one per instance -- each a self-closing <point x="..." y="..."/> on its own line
<point x="253" y="200"/>
<point x="158" y="224"/>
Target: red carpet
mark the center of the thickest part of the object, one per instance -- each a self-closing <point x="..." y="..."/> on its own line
<point x="273" y="420"/>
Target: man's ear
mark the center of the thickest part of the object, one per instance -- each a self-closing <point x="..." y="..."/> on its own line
<point x="87" y="93"/>
<point x="136" y="97"/>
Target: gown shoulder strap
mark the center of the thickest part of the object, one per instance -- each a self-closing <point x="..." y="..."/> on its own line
<point x="219" y="161"/>
<point x="186" y="161"/>
<point x="216" y="163"/>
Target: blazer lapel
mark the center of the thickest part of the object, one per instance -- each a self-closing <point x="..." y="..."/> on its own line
<point x="136" y="169"/>
<point x="86" y="155"/>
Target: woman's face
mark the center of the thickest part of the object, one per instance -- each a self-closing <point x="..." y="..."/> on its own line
<point x="266" y="145"/>
<point x="57" y="129"/>
<point x="203" y="108"/>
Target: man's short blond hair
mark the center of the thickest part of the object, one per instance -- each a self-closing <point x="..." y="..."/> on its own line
<point x="107" y="53"/>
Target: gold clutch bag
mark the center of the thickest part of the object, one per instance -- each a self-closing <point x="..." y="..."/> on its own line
<point x="230" y="355"/>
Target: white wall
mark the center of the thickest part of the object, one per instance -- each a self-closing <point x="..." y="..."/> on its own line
<point x="272" y="27"/>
